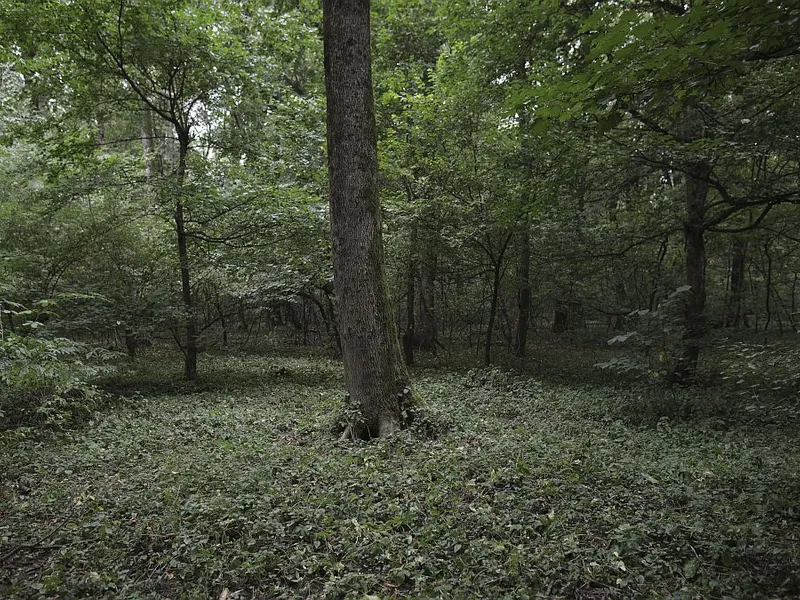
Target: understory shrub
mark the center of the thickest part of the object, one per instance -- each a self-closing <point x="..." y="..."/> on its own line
<point x="48" y="381"/>
<point x="653" y="348"/>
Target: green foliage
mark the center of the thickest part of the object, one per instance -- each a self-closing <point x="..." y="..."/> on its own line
<point x="49" y="381"/>
<point x="654" y="347"/>
<point x="534" y="489"/>
<point x="756" y="372"/>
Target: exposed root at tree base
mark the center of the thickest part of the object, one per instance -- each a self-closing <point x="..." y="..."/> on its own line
<point x="358" y="430"/>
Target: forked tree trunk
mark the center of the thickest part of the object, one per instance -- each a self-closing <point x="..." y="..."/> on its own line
<point x="498" y="270"/>
<point x="487" y="348"/>
<point x="375" y="375"/>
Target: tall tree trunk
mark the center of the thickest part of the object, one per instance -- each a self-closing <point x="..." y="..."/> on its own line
<point x="190" y="344"/>
<point x="487" y="349"/>
<point x="375" y="375"/>
<point x="623" y="307"/>
<point x="694" y="231"/>
<point x="734" y="316"/>
<point x="498" y="270"/>
<point x="130" y="342"/>
<point x="10" y="318"/>
<point x="524" y="267"/>
<point x="222" y="318"/>
<point x="427" y="330"/>
<point x="560" y="316"/>
<point x="410" y="334"/>
<point x="337" y="338"/>
<point x="523" y="289"/>
<point x="767" y="302"/>
<point x="656" y="279"/>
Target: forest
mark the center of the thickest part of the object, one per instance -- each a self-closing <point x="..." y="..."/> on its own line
<point x="399" y="299"/>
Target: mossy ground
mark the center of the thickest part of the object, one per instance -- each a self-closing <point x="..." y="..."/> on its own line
<point x="511" y="487"/>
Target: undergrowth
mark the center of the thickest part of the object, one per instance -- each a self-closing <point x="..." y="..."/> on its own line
<point x="512" y="487"/>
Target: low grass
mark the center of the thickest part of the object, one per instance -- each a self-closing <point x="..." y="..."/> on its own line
<point x="511" y="487"/>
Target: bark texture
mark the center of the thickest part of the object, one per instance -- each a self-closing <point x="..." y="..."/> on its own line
<point x="410" y="334"/>
<point x="375" y="375"/>
<point x="523" y="289"/>
<point x="737" y="282"/>
<point x="498" y="270"/>
<point x="190" y="324"/>
<point x="427" y="333"/>
<point x="694" y="234"/>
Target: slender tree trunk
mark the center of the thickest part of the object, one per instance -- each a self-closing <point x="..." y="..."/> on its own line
<point x="308" y="331"/>
<point x="524" y="266"/>
<point x="767" y="302"/>
<point x="694" y="232"/>
<point x="240" y="312"/>
<point x="561" y="316"/>
<point x="190" y="344"/>
<point x="487" y="349"/>
<point x="656" y="280"/>
<point x="427" y="330"/>
<point x="410" y="334"/>
<point x="623" y="307"/>
<point x="130" y="342"/>
<point x="10" y="317"/>
<point x="375" y="375"/>
<point x="523" y="289"/>
<point x="148" y="143"/>
<point x="498" y="271"/>
<point x="337" y="338"/>
<point x="734" y="316"/>
<point x="222" y="319"/>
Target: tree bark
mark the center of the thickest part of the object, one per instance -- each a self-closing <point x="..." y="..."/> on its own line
<point x="694" y="231"/>
<point x="656" y="278"/>
<point x="427" y="330"/>
<point x="734" y="316"/>
<point x="337" y="338"/>
<point x="148" y="142"/>
<point x="487" y="349"/>
<point x="523" y="289"/>
<point x="410" y="335"/>
<point x="10" y="318"/>
<point x="767" y="302"/>
<point x="375" y="375"/>
<point x="498" y="270"/>
<point x="190" y="324"/>
<point x="560" y="316"/>
<point x="222" y="318"/>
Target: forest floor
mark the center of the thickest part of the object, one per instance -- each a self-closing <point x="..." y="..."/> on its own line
<point x="511" y="487"/>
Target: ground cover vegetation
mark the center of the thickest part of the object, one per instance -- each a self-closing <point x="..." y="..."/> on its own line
<point x="530" y="487"/>
<point x="546" y="251"/>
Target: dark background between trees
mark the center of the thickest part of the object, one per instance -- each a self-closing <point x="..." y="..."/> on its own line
<point x="546" y="170"/>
